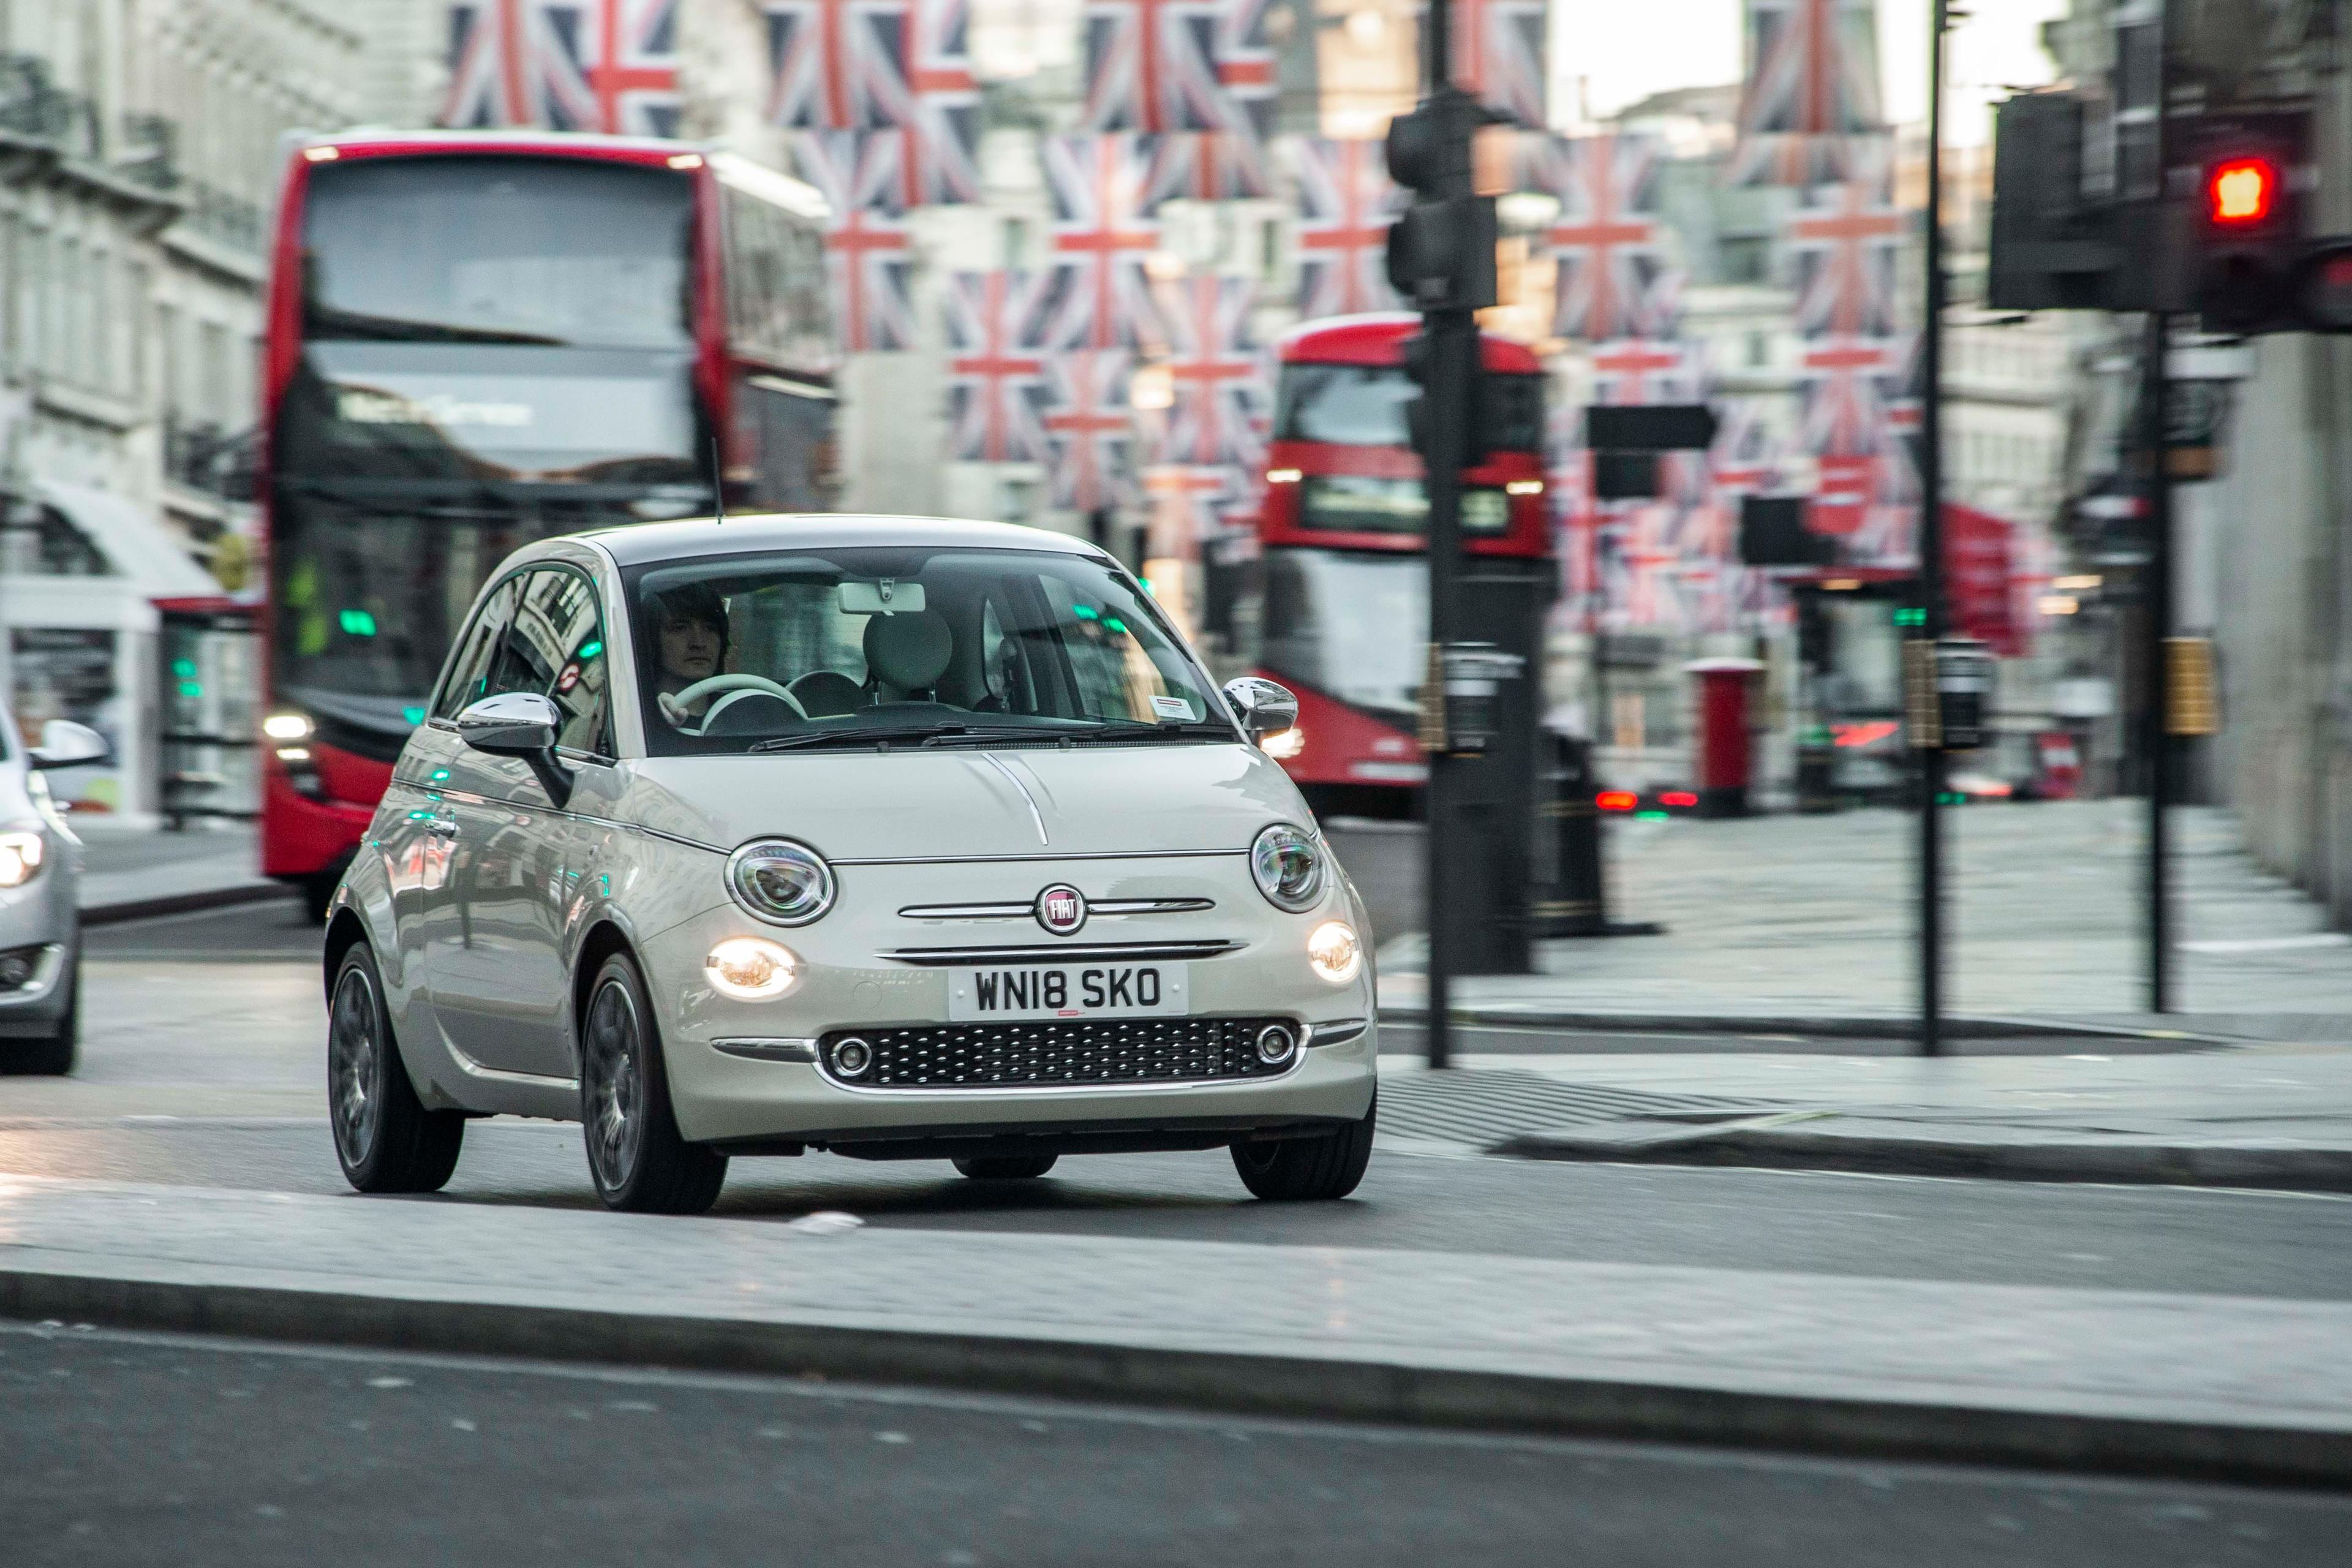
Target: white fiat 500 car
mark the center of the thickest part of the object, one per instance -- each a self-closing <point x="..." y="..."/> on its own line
<point x="896" y="837"/>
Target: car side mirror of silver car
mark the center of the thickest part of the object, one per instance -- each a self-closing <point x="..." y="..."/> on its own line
<point x="519" y="724"/>
<point x="66" y="744"/>
<point x="1262" y="707"/>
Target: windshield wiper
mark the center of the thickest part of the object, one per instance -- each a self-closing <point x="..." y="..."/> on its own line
<point x="823" y="738"/>
<point x="1139" y="729"/>
<point x="959" y="734"/>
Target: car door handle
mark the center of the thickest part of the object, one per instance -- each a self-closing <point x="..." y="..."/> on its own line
<point x="441" y="827"/>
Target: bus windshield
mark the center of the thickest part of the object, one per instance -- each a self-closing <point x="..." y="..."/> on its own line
<point x="497" y="249"/>
<point x="1364" y="405"/>
<point x="1349" y="625"/>
<point x="368" y="596"/>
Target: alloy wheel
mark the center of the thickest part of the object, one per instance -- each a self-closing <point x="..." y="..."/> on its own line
<point x="353" y="1045"/>
<point x="616" y="1085"/>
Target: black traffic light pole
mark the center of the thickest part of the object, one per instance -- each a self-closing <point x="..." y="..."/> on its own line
<point x="2157" y="613"/>
<point x="1452" y="334"/>
<point x="1931" y="562"/>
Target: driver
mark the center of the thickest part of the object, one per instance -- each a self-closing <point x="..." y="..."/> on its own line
<point x="693" y="643"/>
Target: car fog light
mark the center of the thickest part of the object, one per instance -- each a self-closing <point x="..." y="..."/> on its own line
<point x="20" y="857"/>
<point x="852" y="1058"/>
<point x="1275" y="1044"/>
<point x="752" y="969"/>
<point x="1335" y="951"/>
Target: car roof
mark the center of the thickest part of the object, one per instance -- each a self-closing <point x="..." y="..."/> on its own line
<point x="638" y="544"/>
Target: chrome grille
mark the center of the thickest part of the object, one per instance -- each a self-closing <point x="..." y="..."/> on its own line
<point x="1050" y="1052"/>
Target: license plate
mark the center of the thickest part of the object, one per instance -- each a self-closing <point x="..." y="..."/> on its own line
<point x="1065" y="991"/>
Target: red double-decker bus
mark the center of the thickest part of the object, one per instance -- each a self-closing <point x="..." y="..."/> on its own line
<point x="1342" y="527"/>
<point x="477" y="338"/>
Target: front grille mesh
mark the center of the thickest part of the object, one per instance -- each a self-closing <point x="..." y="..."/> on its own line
<point x="1062" y="1051"/>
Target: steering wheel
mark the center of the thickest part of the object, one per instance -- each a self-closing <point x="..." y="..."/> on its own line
<point x="674" y="709"/>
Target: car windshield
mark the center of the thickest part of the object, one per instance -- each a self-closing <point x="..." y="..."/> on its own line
<point x="860" y="647"/>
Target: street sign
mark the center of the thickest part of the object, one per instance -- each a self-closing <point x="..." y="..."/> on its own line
<point x="1773" y="532"/>
<point x="1624" y="476"/>
<point x="1649" y="428"/>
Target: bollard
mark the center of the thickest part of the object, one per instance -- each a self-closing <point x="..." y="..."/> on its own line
<point x="1569" y="899"/>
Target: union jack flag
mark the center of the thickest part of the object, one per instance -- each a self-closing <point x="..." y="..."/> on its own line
<point x="868" y="248"/>
<point x="837" y="65"/>
<point x="1643" y="572"/>
<point x="996" y="374"/>
<point x="1102" y="236"/>
<point x="1345" y="203"/>
<point x="569" y="65"/>
<point x="1151" y="66"/>
<point x="1813" y="88"/>
<point x="1607" y="238"/>
<point x="1089" y="430"/>
<point x="1498" y="53"/>
<point x="939" y="107"/>
<point x="1220" y="379"/>
<point x="1208" y="166"/>
<point x="1843" y="244"/>
<point x="1645" y="370"/>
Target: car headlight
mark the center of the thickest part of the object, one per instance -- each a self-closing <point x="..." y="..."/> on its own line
<point x="1288" y="864"/>
<point x="21" y="854"/>
<point x="1335" y="951"/>
<point x="752" y="968"/>
<point x="782" y="882"/>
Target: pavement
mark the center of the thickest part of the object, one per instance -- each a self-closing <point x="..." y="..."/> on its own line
<point x="1804" y="924"/>
<point x="136" y="873"/>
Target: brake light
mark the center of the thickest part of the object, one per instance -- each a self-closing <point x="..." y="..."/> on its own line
<point x="1616" y="800"/>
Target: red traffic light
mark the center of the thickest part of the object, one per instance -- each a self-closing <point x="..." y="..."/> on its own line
<point x="2240" y="192"/>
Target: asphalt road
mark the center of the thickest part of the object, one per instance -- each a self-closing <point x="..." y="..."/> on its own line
<point x="139" y="1448"/>
<point x="204" y="1067"/>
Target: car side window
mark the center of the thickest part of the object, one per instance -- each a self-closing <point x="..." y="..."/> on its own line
<point x="467" y="679"/>
<point x="555" y="647"/>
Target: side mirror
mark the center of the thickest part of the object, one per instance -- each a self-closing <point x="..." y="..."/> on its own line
<point x="66" y="744"/>
<point x="1263" y="707"/>
<point x="519" y="724"/>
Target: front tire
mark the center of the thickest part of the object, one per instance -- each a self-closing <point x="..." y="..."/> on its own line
<point x="640" y="1162"/>
<point x="1006" y="1167"/>
<point x="53" y="1054"/>
<point x="385" y="1138"/>
<point x="1319" y="1169"/>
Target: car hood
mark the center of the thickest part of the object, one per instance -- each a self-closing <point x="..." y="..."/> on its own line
<point x="954" y="804"/>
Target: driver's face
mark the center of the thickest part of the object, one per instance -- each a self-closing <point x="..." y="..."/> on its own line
<point x="689" y="649"/>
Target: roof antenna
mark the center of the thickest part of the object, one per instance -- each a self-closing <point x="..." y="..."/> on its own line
<point x="717" y="486"/>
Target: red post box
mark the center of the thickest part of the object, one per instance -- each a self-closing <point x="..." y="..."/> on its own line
<point x="1726" y="756"/>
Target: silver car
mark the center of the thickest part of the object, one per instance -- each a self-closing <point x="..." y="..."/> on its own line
<point x="40" y="899"/>
<point x="900" y="839"/>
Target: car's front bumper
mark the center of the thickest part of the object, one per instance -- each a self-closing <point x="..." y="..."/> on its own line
<point x="41" y="915"/>
<point x="725" y="1093"/>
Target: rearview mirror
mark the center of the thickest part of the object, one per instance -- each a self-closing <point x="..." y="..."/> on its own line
<point x="519" y="724"/>
<point x="1263" y="707"/>
<point x="66" y="744"/>
<point x="882" y="596"/>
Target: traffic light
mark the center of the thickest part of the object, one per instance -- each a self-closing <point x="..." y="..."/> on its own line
<point x="1441" y="250"/>
<point x="2251" y="251"/>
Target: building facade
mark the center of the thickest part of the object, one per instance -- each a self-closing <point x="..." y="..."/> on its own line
<point x="141" y="143"/>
